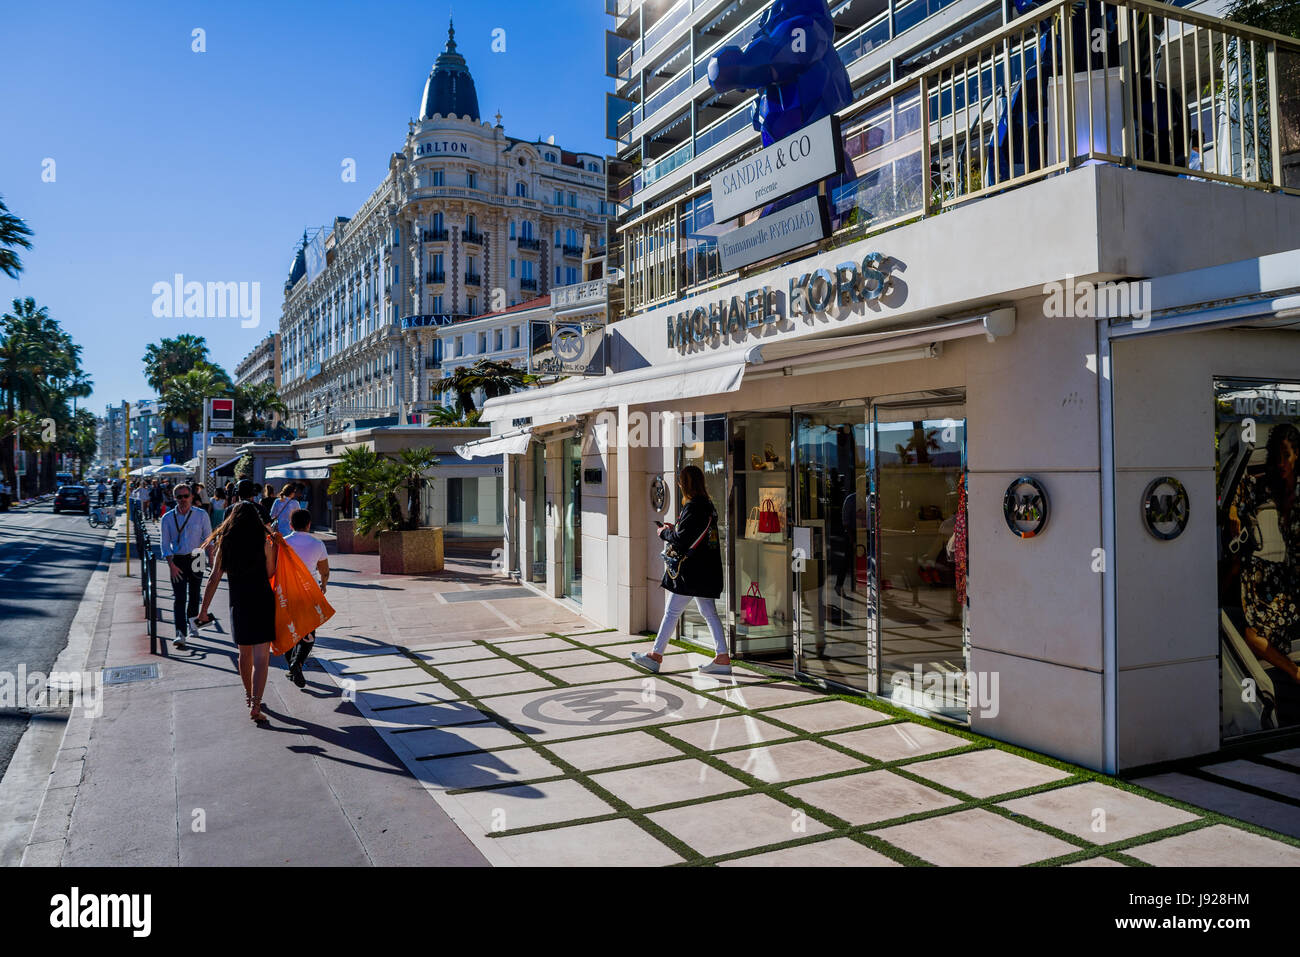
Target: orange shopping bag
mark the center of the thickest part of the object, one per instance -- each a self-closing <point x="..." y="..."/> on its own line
<point x="300" y="606"/>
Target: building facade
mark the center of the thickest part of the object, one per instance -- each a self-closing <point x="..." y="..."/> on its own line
<point x="467" y="221"/>
<point x="1002" y="444"/>
<point x="262" y="365"/>
<point x="112" y="435"/>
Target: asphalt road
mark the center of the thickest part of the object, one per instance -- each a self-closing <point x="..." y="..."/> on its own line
<point x="45" y="564"/>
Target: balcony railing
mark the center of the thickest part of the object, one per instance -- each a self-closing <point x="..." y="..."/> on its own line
<point x="435" y="235"/>
<point x="1136" y="83"/>
<point x="473" y="279"/>
<point x="529" y="242"/>
<point x="529" y="284"/>
<point x="472" y="237"/>
<point x="572" y="250"/>
<point x="435" y="277"/>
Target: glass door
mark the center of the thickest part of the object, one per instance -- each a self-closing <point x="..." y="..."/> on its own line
<point x="762" y="578"/>
<point x="704" y="444"/>
<point x="537" y="553"/>
<point x="919" y="473"/>
<point x="571" y="465"/>
<point x="832" y="493"/>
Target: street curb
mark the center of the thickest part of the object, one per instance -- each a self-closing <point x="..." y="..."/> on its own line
<point x="50" y="754"/>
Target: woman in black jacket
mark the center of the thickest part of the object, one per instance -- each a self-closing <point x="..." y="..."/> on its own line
<point x="698" y="573"/>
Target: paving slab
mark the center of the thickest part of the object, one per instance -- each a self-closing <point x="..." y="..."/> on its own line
<point x="895" y="742"/>
<point x="458" y="652"/>
<point x="423" y="693"/>
<point x="974" y="838"/>
<point x="1097" y="862"/>
<point x="827" y="715"/>
<point x="612" y="750"/>
<point x="586" y="674"/>
<point x="1217" y="846"/>
<point x="735" y="824"/>
<point x="767" y="695"/>
<point x="986" y="773"/>
<point x="1286" y="756"/>
<point x="425" y="742"/>
<point x="602" y="844"/>
<point x="1098" y="813"/>
<point x="728" y="731"/>
<point x="475" y="669"/>
<point x="533" y="645"/>
<point x="559" y="659"/>
<point x="871" y="797"/>
<point x="686" y="779"/>
<point x="778" y="763"/>
<point x="365" y="664"/>
<point x="1231" y="801"/>
<point x="505" y="684"/>
<point x="429" y="715"/>
<point x="528" y="805"/>
<point x="837" y="852"/>
<point x="1286" y="783"/>
<point x="483" y="769"/>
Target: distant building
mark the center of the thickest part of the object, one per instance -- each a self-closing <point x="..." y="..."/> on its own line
<point x="467" y="221"/>
<point x="262" y="364"/>
<point x="112" y="434"/>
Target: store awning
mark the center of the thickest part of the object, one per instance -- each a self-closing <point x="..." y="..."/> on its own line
<point x="508" y="443"/>
<point x="718" y="373"/>
<point x="682" y="379"/>
<point x="225" y="468"/>
<point x="303" y="469"/>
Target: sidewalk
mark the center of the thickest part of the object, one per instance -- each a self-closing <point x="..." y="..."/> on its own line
<point x="460" y="719"/>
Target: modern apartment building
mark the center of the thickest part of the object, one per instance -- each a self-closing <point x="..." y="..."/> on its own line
<point x="262" y="364"/>
<point x="467" y="221"/>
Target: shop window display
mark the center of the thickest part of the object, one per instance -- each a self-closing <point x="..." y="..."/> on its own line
<point x="761" y="558"/>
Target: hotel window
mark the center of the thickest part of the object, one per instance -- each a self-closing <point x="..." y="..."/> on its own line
<point x="471" y="264"/>
<point x="460" y="346"/>
<point x="437" y="262"/>
<point x="512" y="269"/>
<point x="573" y="200"/>
<point x="571" y="237"/>
<point x="559" y="197"/>
<point x="498" y="340"/>
<point x="512" y="229"/>
<point x="471" y="179"/>
<point x="437" y="305"/>
<point x="514" y="337"/>
<point x="521" y="189"/>
<point x="482" y="343"/>
<point x="437" y="222"/>
<point x="526" y="229"/>
<point x="557" y="237"/>
<point x="473" y="305"/>
<point x="570" y="275"/>
<point x="528" y="269"/>
<point x="557" y="275"/>
<point x="471" y="223"/>
<point x="437" y="177"/>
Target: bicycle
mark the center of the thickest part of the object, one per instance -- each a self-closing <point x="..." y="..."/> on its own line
<point x="101" y="517"/>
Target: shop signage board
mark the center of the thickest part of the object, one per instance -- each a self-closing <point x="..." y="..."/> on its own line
<point x="774" y="234"/>
<point x="805" y="156"/>
<point x="567" y="348"/>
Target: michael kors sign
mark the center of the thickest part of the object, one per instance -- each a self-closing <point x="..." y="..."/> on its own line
<point x="803" y="157"/>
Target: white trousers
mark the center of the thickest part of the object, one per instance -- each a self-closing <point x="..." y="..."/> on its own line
<point x="676" y="605"/>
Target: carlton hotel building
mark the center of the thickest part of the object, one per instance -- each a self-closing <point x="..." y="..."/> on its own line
<point x="467" y="221"/>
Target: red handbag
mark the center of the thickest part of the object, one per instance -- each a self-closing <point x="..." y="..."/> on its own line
<point x="753" y="606"/>
<point x="768" y="519"/>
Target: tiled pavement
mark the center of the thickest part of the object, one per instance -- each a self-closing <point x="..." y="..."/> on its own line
<point x="552" y="749"/>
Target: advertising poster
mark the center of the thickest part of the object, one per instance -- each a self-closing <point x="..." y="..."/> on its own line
<point x="1257" y="427"/>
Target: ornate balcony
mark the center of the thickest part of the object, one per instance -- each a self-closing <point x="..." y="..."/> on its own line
<point x="530" y="242"/>
<point x="473" y="279"/>
<point x="470" y="237"/>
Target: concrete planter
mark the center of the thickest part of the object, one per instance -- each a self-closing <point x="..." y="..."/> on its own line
<point x="350" y="542"/>
<point x="410" y="553"/>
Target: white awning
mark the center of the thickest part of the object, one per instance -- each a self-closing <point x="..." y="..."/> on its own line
<point x="683" y="379"/>
<point x="508" y="443"/>
<point x="303" y="469"/>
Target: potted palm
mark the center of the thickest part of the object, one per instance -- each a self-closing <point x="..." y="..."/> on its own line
<point x="404" y="547"/>
<point x="357" y="470"/>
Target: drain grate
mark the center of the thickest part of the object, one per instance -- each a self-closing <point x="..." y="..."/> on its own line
<point x="486" y="594"/>
<point x="120" y="676"/>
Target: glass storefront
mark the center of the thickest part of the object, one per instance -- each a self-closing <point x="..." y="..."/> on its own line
<point x="537" y="551"/>
<point x="763" y="579"/>
<point x="571" y="515"/>
<point x="1257" y="454"/>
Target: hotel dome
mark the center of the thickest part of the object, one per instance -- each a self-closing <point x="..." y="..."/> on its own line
<point x="449" y="89"/>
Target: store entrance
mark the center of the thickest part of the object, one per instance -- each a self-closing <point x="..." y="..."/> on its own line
<point x="762" y="578"/>
<point x="571" y="538"/>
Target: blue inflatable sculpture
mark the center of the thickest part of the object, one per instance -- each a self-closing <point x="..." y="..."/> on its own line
<point x="793" y="63"/>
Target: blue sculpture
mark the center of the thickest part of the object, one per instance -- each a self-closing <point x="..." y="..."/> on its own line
<point x="793" y="62"/>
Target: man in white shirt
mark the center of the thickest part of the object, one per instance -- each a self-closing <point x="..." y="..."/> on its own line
<point x="184" y="529"/>
<point x="312" y="552"/>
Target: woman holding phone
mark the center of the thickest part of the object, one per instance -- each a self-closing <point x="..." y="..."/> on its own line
<point x="695" y="572"/>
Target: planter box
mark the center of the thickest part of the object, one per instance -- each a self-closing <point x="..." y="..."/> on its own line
<point x="350" y="542"/>
<point x="410" y="553"/>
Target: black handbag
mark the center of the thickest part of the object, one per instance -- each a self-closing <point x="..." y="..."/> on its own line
<point x="673" y="561"/>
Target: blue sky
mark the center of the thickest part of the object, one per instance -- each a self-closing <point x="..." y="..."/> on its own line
<point x="211" y="164"/>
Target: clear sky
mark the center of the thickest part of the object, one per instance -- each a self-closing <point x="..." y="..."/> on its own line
<point x="211" y="164"/>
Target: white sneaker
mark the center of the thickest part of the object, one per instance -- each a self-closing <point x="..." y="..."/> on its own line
<point x="713" y="668"/>
<point x="179" y="640"/>
<point x="644" y="661"/>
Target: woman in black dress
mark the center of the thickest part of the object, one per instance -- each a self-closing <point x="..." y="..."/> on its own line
<point x="247" y="555"/>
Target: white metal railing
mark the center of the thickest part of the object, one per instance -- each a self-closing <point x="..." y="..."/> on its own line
<point x="1132" y="82"/>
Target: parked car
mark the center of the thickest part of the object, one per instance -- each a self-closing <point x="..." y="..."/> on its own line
<point x="72" y="498"/>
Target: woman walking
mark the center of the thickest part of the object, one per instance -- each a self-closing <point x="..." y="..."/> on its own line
<point x="693" y="569"/>
<point x="246" y="553"/>
<point x="284" y="507"/>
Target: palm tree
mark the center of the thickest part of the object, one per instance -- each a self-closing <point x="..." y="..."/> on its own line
<point x="454" y="418"/>
<point x="28" y="430"/>
<point x="184" y="395"/>
<point x="172" y="357"/>
<point x="256" y="405"/>
<point x="493" y="377"/>
<point x="13" y="235"/>
<point x="357" y="468"/>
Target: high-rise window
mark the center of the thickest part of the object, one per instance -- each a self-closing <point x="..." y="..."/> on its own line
<point x="437" y="305"/>
<point x="471" y="179"/>
<point x="521" y="189"/>
<point x="437" y="178"/>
